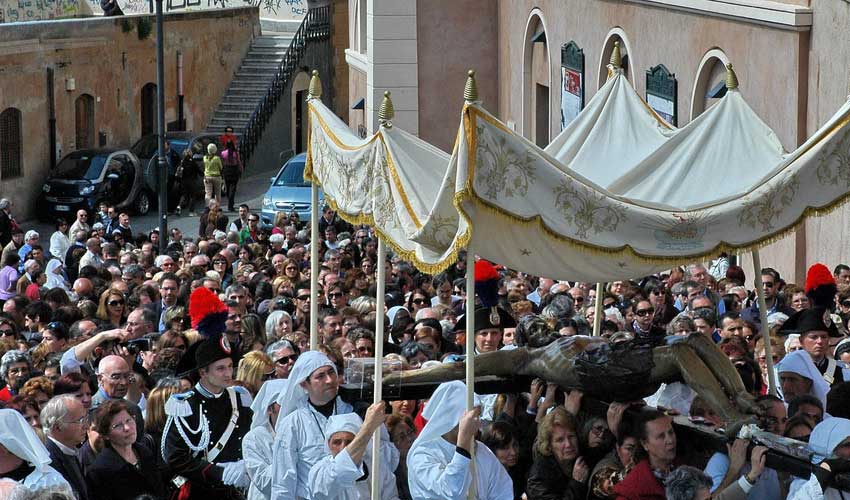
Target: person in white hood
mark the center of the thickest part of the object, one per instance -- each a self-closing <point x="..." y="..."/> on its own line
<point x="832" y="436"/>
<point x="23" y="457"/>
<point x="440" y="458"/>
<point x="798" y="375"/>
<point x="309" y="401"/>
<point x="344" y="474"/>
<point x="257" y="443"/>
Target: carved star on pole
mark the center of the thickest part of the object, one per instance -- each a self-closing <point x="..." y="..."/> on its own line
<point x="526" y="252"/>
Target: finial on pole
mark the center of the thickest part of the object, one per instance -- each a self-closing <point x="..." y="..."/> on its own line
<point x="470" y="90"/>
<point x="315" y="89"/>
<point x="616" y="56"/>
<point x="386" y="113"/>
<point x="731" y="78"/>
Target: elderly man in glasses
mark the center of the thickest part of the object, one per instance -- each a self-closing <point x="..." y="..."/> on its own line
<point x="64" y="421"/>
<point x="113" y="382"/>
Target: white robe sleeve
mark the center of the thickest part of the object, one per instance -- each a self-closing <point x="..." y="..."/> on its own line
<point x="257" y="453"/>
<point x="332" y="475"/>
<point x="430" y="478"/>
<point x="285" y="462"/>
<point x="389" y="488"/>
<point x="492" y="475"/>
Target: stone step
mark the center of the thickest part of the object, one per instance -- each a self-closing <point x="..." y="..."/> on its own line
<point x="237" y="105"/>
<point x="233" y="115"/>
<point x="240" y="93"/>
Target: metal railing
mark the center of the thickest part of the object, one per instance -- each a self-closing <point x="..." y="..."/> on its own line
<point x="315" y="27"/>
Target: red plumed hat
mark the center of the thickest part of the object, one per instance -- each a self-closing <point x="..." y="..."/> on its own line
<point x="485" y="271"/>
<point x="820" y="286"/>
<point x="204" y="304"/>
<point x="818" y="275"/>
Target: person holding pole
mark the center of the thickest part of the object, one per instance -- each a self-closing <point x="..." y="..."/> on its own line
<point x="440" y="459"/>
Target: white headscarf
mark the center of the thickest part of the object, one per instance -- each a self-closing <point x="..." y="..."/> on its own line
<point x="347" y="422"/>
<point x="296" y="396"/>
<point x="393" y="312"/>
<point x="826" y="436"/>
<point x="20" y="439"/>
<point x="272" y="391"/>
<point x="54" y="279"/>
<point x="800" y="362"/>
<point x="443" y="411"/>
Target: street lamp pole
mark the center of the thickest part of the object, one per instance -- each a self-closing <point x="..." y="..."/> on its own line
<point x="162" y="169"/>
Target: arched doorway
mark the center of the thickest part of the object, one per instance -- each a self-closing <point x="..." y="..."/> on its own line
<point x="709" y="85"/>
<point x="299" y="111"/>
<point x="10" y="143"/>
<point x="148" y="108"/>
<point x="84" y="121"/>
<point x="537" y="81"/>
<point x="616" y="35"/>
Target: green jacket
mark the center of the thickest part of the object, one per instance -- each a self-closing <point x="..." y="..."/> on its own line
<point x="212" y="166"/>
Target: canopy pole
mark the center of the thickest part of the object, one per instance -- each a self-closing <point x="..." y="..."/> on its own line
<point x="470" y="350"/>
<point x="379" y="358"/>
<point x="597" y="311"/>
<point x="314" y="92"/>
<point x="765" y="329"/>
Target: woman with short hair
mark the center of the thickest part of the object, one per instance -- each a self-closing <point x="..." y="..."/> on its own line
<point x="558" y="470"/>
<point x="124" y="468"/>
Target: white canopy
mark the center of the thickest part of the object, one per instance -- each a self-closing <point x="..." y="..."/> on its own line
<point x="668" y="197"/>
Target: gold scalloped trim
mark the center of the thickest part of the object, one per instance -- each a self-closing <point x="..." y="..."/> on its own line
<point x="308" y="168"/>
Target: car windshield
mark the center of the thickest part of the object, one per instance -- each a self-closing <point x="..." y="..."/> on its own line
<point x="80" y="165"/>
<point x="292" y="175"/>
<point x="145" y="147"/>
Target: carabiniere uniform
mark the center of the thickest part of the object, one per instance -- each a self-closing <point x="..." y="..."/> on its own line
<point x="204" y="430"/>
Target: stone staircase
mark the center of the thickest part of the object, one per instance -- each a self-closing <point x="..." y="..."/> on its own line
<point x="251" y="82"/>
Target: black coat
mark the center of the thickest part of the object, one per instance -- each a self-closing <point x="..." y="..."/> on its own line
<point x="70" y="468"/>
<point x="546" y="481"/>
<point x="110" y="476"/>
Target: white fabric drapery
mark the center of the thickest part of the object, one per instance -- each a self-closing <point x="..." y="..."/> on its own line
<point x="672" y="196"/>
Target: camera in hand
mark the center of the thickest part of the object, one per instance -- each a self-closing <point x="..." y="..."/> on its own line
<point x="136" y="346"/>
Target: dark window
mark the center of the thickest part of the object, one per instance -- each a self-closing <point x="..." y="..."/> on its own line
<point x="84" y="121"/>
<point x="149" y="109"/>
<point x="10" y="143"/>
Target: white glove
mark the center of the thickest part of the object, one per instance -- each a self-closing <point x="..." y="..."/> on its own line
<point x="235" y="474"/>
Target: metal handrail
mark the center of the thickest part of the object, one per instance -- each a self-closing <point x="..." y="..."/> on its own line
<point x="315" y="27"/>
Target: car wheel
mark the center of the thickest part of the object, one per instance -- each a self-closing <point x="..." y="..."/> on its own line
<point x="143" y="203"/>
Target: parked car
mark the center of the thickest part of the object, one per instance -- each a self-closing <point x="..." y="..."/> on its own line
<point x="289" y="191"/>
<point x="85" y="177"/>
<point x="147" y="147"/>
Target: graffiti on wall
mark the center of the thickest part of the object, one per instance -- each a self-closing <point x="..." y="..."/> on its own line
<point x="277" y="9"/>
<point x="12" y="11"/>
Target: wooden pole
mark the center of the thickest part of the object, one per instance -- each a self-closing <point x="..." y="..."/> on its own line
<point x="765" y="329"/>
<point x="314" y="267"/>
<point x="379" y="373"/>
<point x="598" y="314"/>
<point x="470" y="350"/>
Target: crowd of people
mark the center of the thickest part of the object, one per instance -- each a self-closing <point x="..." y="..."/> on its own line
<point x="129" y="372"/>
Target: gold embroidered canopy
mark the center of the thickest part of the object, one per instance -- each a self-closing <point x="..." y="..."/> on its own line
<point x="523" y="207"/>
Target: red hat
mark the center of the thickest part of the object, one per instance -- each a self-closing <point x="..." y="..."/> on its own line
<point x="818" y="275"/>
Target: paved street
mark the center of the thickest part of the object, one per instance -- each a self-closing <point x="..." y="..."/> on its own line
<point x="250" y="190"/>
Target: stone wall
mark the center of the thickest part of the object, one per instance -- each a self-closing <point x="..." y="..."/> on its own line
<point x="111" y="59"/>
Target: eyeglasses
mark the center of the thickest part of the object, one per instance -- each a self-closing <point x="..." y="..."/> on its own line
<point x="7" y="332"/>
<point x="115" y="377"/>
<point x="578" y="300"/>
<point x="291" y="268"/>
<point x="78" y="421"/>
<point x="167" y="264"/>
<point x="335" y="295"/>
<point x="286" y="359"/>
<point x="219" y="261"/>
<point x="114" y="303"/>
<point x="643" y="312"/>
<point x="305" y="296"/>
<point x="845" y="303"/>
<point x="123" y="424"/>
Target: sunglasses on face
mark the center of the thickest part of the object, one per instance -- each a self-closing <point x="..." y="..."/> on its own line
<point x="418" y="302"/>
<point x="7" y="332"/>
<point x="335" y="295"/>
<point x="114" y="303"/>
<point x="768" y="284"/>
<point x="643" y="312"/>
<point x="286" y="359"/>
<point x="845" y="303"/>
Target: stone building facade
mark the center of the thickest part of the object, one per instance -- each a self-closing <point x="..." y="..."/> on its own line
<point x="104" y="84"/>
<point x="792" y="59"/>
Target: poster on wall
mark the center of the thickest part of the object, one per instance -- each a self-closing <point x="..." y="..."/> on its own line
<point x="662" y="92"/>
<point x="572" y="82"/>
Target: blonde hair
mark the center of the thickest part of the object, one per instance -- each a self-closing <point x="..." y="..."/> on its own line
<point x="559" y="417"/>
<point x="252" y="367"/>
<point x="155" y="411"/>
<point x="104" y="297"/>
